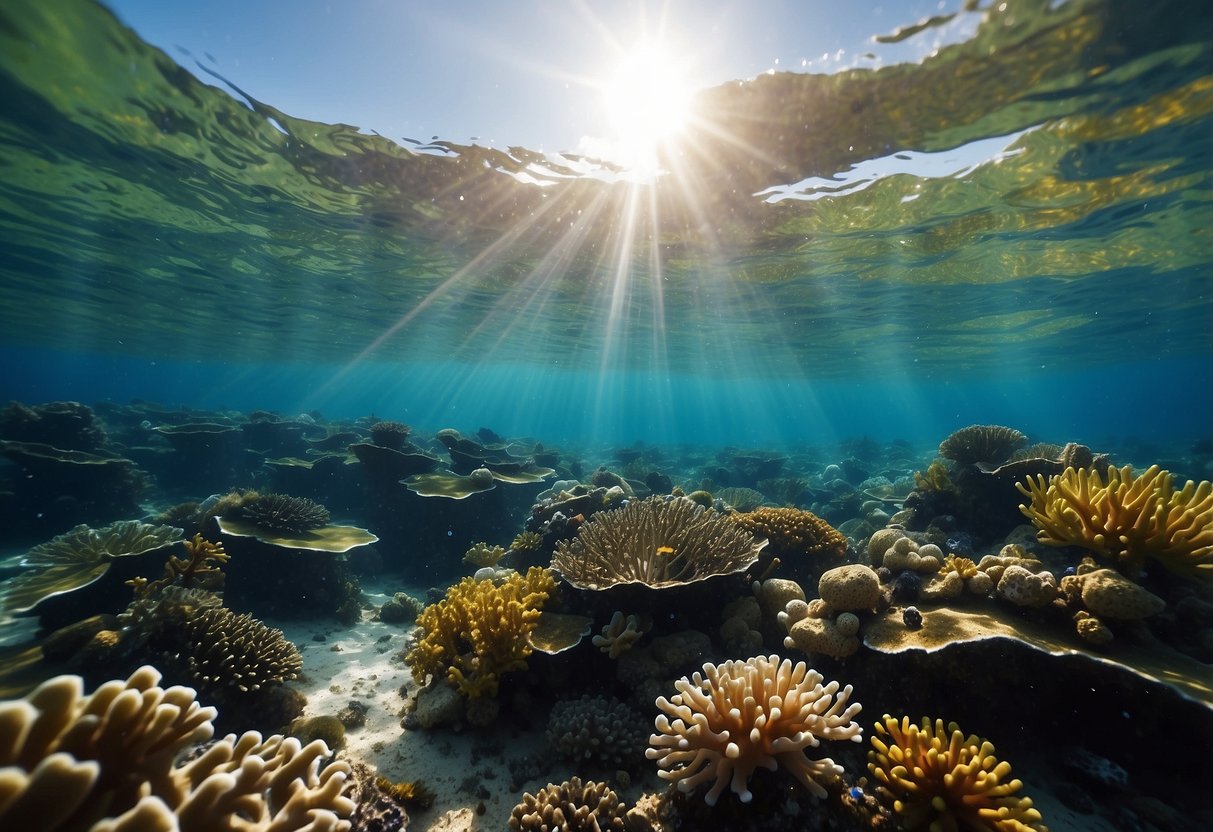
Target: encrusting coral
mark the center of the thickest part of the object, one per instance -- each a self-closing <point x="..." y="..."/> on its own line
<point x="572" y="806"/>
<point x="743" y="715"/>
<point x="107" y="762"/>
<point x="657" y="542"/>
<point x="478" y="632"/>
<point x="941" y="780"/>
<point x="793" y="531"/>
<point x="1129" y="519"/>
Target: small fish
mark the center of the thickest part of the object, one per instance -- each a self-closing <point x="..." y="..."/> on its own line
<point x="665" y="550"/>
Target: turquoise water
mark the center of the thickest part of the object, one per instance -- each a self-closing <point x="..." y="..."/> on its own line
<point x="1014" y="230"/>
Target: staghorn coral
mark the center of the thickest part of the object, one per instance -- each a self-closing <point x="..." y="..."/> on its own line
<point x="657" y="542"/>
<point x="793" y="532"/>
<point x="283" y="513"/>
<point x="573" y="806"/>
<point x="743" y="715"/>
<point x="941" y="780"/>
<point x="981" y="443"/>
<point x="478" y="632"/>
<point x="201" y="568"/>
<point x="227" y="650"/>
<point x="1129" y="519"/>
<point x="106" y="762"/>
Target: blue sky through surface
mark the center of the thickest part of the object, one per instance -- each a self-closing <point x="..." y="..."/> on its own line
<point x="510" y="73"/>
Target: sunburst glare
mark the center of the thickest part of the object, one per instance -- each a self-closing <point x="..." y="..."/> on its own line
<point x="648" y="99"/>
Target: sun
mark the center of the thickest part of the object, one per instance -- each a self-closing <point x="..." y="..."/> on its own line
<point x="648" y="102"/>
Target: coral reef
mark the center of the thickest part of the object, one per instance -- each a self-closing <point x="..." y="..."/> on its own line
<point x="227" y="650"/>
<point x="939" y="779"/>
<point x="743" y="715"/>
<point x="283" y="513"/>
<point x="1129" y="519"/>
<point x="107" y="762"/>
<point x="793" y="532"/>
<point x="481" y="555"/>
<point x="478" y="632"/>
<point x="981" y="443"/>
<point x="572" y="806"/>
<point x="656" y="542"/>
<point x="620" y="634"/>
<point x="390" y="434"/>
<point x="597" y="730"/>
<point x="852" y="587"/>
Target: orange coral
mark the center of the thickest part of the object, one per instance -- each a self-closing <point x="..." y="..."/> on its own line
<point x="941" y="780"/>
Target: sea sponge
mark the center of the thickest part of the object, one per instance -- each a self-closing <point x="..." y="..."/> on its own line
<point x="479" y="631"/>
<point x="851" y="587"/>
<point x="657" y="542"/>
<point x="1129" y="519"/>
<point x="597" y="730"/>
<point x="793" y="532"/>
<point x="105" y="762"/>
<point x="572" y="806"/>
<point x="981" y="443"/>
<point x="743" y="715"/>
<point x="620" y="634"/>
<point x="939" y="779"/>
<point x="1025" y="588"/>
<point x="1109" y="594"/>
<point x="283" y="513"/>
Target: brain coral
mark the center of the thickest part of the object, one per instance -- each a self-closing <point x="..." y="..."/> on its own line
<point x="479" y="631"/>
<point x="793" y="531"/>
<point x="657" y="542"/>
<point x="941" y="780"/>
<point x="743" y="715"/>
<point x="1128" y="520"/>
<point x="107" y="762"/>
<point x="572" y="806"/>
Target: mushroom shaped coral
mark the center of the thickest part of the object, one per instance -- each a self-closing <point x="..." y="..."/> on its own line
<point x="938" y="778"/>
<point x="743" y="715"/>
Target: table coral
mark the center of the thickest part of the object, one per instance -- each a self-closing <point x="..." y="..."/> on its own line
<point x="939" y="779"/>
<point x="1129" y="519"/>
<point x="478" y="632"/>
<point x="107" y="762"/>
<point x="739" y="716"/>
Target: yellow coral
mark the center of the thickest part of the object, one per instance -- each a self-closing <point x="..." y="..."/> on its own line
<point x="941" y="780"/>
<point x="478" y="632"/>
<point x="793" y="531"/>
<point x="1127" y="520"/>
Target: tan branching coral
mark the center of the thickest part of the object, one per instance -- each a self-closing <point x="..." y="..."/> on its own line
<point x="939" y="779"/>
<point x="1129" y="519"/>
<point x="201" y="568"/>
<point x="107" y="762"/>
<point x="657" y="542"/>
<point x="478" y="632"/>
<point x="793" y="532"/>
<point x="481" y="555"/>
<point x="743" y="715"/>
<point x="572" y="806"/>
<point x="981" y="443"/>
<point x="620" y="634"/>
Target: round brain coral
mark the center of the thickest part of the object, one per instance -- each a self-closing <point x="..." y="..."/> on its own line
<point x="743" y="715"/>
<point x="793" y="531"/>
<point x="941" y="780"/>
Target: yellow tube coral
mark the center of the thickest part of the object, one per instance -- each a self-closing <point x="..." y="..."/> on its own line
<point x="1127" y="520"/>
<point x="479" y="631"/>
<point x="939" y="779"/>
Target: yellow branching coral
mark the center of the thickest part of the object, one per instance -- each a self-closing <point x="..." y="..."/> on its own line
<point x="107" y="762"/>
<point x="1127" y="520"/>
<point x="793" y="531"/>
<point x="941" y="780"/>
<point x="743" y="715"/>
<point x="479" y="631"/>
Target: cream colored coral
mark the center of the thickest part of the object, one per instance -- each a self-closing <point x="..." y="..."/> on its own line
<point x="1107" y="593"/>
<point x="481" y="555"/>
<point x="66" y="760"/>
<point x="851" y="587"/>
<point x="1025" y="588"/>
<point x="904" y="554"/>
<point x="818" y="634"/>
<point x="620" y="634"/>
<point x="743" y="715"/>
